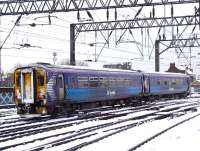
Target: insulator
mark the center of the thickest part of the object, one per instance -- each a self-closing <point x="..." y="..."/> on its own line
<point x="153" y="11"/>
<point x="115" y="14"/>
<point x="49" y="17"/>
<point x="177" y="30"/>
<point x="172" y="11"/>
<point x="107" y="14"/>
<point x="78" y="15"/>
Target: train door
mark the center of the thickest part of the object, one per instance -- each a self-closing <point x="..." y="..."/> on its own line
<point x="27" y="86"/>
<point x="146" y="84"/>
<point x="60" y="86"/>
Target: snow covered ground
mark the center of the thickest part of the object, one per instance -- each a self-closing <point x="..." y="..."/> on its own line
<point x="184" y="137"/>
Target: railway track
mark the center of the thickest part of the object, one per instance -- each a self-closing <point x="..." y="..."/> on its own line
<point x="24" y="129"/>
<point x="8" y="106"/>
<point x="71" y="135"/>
<point x="93" y="131"/>
<point x="161" y="132"/>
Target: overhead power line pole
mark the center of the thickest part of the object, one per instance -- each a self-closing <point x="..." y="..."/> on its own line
<point x="16" y="22"/>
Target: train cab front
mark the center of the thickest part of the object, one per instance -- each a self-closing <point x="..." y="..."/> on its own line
<point x="29" y="89"/>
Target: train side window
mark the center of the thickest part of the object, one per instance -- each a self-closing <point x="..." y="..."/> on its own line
<point x="83" y="82"/>
<point x="41" y="80"/>
<point x="112" y="81"/>
<point x="103" y="82"/>
<point x="73" y="82"/>
<point x="129" y="82"/>
<point x="93" y="82"/>
<point x="158" y="82"/>
<point x="173" y="82"/>
<point x="165" y="83"/>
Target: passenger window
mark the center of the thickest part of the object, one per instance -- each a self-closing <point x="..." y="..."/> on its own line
<point x="158" y="83"/>
<point x="173" y="82"/>
<point x="83" y="82"/>
<point x="73" y="82"/>
<point x="93" y="82"/>
<point x="41" y="80"/>
<point x="103" y="82"/>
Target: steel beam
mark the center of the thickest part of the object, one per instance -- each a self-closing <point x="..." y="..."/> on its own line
<point x="181" y="43"/>
<point x="15" y="7"/>
<point x="174" y="43"/>
<point x="137" y="23"/>
<point x="142" y="23"/>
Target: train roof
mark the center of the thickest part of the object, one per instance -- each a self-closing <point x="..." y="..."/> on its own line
<point x="52" y="67"/>
<point x="56" y="68"/>
<point x="167" y="74"/>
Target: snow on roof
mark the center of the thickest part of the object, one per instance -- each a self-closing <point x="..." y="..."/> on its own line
<point x="80" y="67"/>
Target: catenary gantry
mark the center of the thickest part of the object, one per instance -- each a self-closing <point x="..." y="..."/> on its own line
<point x="15" y="7"/>
<point x="149" y="22"/>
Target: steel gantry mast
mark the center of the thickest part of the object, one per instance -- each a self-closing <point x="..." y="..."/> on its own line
<point x="179" y="44"/>
<point x="15" y="7"/>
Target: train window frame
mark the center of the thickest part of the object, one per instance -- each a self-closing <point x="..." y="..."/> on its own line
<point x="73" y="82"/>
<point x="103" y="82"/>
<point x="83" y="81"/>
<point x="173" y="82"/>
<point x="93" y="81"/>
<point x="158" y="82"/>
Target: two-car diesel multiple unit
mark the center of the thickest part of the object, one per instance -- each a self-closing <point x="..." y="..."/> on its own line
<point x="48" y="89"/>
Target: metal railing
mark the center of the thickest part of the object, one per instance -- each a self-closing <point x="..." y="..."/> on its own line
<point x="6" y="95"/>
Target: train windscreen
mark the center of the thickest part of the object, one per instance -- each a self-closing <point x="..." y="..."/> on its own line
<point x="27" y="86"/>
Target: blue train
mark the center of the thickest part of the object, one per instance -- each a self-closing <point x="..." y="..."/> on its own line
<point x="48" y="89"/>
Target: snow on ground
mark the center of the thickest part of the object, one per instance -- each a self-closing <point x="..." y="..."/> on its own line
<point x="127" y="139"/>
<point x="184" y="137"/>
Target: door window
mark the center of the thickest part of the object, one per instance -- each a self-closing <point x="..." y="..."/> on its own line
<point x="59" y="82"/>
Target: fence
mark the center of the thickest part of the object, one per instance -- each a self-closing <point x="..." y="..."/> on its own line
<point x="6" y="95"/>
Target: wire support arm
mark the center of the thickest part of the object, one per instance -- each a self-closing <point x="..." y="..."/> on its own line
<point x="136" y="23"/>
